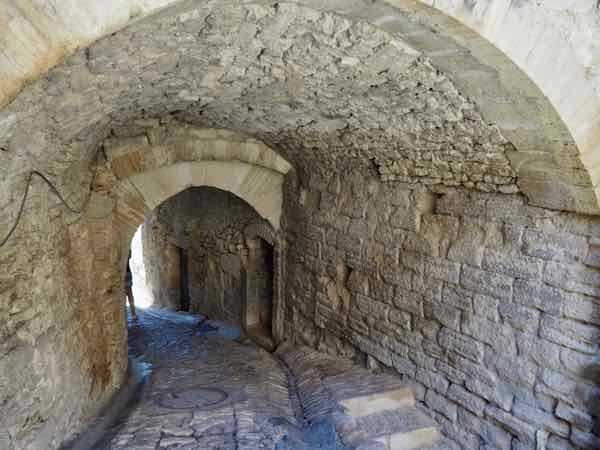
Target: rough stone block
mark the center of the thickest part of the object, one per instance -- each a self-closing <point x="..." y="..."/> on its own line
<point x="543" y="353"/>
<point x="541" y="418"/>
<point x="498" y="394"/>
<point x="413" y="261"/>
<point x="397" y="275"/>
<point x="410" y="338"/>
<point x="433" y="380"/>
<point x="465" y="439"/>
<point x="581" y="364"/>
<point x="574" y="416"/>
<point x="461" y="344"/>
<point x="466" y="399"/>
<point x="400" y="318"/>
<point x="441" y="405"/>
<point x="403" y="365"/>
<point x="370" y="307"/>
<point x="381" y="290"/>
<point x="500" y="337"/>
<point x="575" y="335"/>
<point x="359" y="229"/>
<point x="469" y="247"/>
<point x="406" y="219"/>
<point x="514" y="370"/>
<point x="349" y="244"/>
<point x="570" y="390"/>
<point x="535" y="294"/>
<point x="554" y="246"/>
<point x="358" y="324"/>
<point x="582" y="308"/>
<point x="423" y="360"/>
<point x="513" y="264"/>
<point x="372" y="348"/>
<point x="417" y="388"/>
<point x="520" y="317"/>
<point x="558" y="443"/>
<point x="444" y="314"/>
<point x="428" y="328"/>
<point x="462" y="203"/>
<point x="523" y="430"/>
<point x="430" y="291"/>
<point x="389" y="237"/>
<point x="425" y="244"/>
<point x="593" y="256"/>
<point x="486" y="307"/>
<point x="493" y="436"/>
<point x="488" y="283"/>
<point x="441" y="269"/>
<point x="453" y="374"/>
<point x="472" y="369"/>
<point x="410" y="302"/>
<point x="573" y="277"/>
<point x="433" y="349"/>
<point x="457" y="297"/>
<point x="585" y="440"/>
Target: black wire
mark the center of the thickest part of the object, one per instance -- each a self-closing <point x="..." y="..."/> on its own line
<point x="58" y="194"/>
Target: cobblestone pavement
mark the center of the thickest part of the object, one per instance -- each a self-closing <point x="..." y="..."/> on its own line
<point x="203" y="392"/>
<point x="207" y="391"/>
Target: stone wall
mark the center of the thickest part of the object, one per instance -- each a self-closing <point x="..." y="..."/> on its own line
<point x="62" y="331"/>
<point x="209" y="223"/>
<point x="490" y="308"/>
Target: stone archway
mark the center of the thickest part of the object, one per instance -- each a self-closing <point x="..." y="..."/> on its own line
<point x="146" y="173"/>
<point x="400" y="94"/>
<point x="553" y="151"/>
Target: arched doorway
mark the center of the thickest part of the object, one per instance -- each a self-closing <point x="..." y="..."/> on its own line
<point x="258" y="290"/>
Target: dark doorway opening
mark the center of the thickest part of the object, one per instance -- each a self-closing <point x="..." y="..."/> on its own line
<point x="259" y="280"/>
<point x="184" y="282"/>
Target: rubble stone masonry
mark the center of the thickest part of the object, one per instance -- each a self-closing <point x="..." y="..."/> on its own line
<point x="488" y="307"/>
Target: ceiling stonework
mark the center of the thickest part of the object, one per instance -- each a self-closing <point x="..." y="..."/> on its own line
<point x="370" y="86"/>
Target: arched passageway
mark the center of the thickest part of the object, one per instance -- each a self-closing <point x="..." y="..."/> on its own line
<point x="434" y="205"/>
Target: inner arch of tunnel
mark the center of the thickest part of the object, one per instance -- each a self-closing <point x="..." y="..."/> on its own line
<point x="230" y="276"/>
<point x="544" y="155"/>
<point x="482" y="299"/>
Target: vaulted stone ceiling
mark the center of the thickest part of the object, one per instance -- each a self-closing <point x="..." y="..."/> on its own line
<point x="327" y="91"/>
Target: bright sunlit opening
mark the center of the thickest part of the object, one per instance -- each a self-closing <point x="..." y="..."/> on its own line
<point x="141" y="294"/>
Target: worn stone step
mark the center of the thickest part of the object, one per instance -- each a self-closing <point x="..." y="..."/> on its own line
<point x="399" y="429"/>
<point x="366" y="405"/>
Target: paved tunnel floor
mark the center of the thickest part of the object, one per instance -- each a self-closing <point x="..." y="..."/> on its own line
<point x="207" y="392"/>
<point x="204" y="390"/>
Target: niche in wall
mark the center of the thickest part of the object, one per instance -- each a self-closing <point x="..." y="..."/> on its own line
<point x="258" y="292"/>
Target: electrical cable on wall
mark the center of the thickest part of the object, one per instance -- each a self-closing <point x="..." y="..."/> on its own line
<point x="55" y="191"/>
